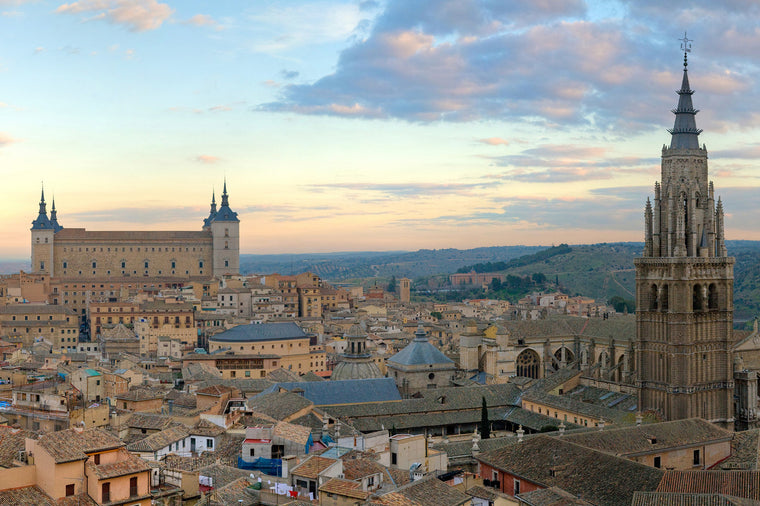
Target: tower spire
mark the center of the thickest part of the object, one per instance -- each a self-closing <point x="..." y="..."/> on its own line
<point x="43" y="206"/>
<point x="54" y="217"/>
<point x="225" y="201"/>
<point x="685" y="134"/>
<point x="213" y="202"/>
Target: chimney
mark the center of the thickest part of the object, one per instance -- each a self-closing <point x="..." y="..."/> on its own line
<point x="639" y="419"/>
<point x="561" y="428"/>
<point x="601" y="424"/>
<point x="520" y="434"/>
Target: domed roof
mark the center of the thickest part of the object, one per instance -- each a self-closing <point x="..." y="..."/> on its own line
<point x="356" y="369"/>
<point x="355" y="331"/>
<point x="420" y="352"/>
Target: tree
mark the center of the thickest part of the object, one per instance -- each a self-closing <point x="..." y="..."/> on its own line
<point x="485" y="425"/>
<point x="392" y="285"/>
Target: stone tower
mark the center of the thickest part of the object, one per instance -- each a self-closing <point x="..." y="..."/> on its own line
<point x="43" y="230"/>
<point x="404" y="285"/>
<point x="684" y="285"/>
<point x="225" y="231"/>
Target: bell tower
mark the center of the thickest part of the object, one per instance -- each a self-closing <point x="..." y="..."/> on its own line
<point x="684" y="284"/>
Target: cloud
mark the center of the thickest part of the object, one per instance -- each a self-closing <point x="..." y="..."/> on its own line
<point x="289" y="74"/>
<point x="135" y="15"/>
<point x="201" y="20"/>
<point x="138" y="215"/>
<point x="6" y="139"/>
<point x="207" y="159"/>
<point x="495" y="141"/>
<point x="408" y="189"/>
<point x="544" y="63"/>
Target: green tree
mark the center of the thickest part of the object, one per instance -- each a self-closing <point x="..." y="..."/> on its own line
<point x="485" y="424"/>
<point x="392" y="285"/>
<point x="436" y="314"/>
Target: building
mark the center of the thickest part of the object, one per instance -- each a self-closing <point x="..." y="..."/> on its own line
<point x="684" y="286"/>
<point x="30" y="323"/>
<point x="76" y="253"/>
<point x="420" y="366"/>
<point x="284" y="340"/>
<point x="356" y="362"/>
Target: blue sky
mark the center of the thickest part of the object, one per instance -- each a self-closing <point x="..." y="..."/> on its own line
<point x="368" y="125"/>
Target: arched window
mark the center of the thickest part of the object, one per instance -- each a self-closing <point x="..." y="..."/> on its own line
<point x="712" y="296"/>
<point x="569" y="357"/>
<point x="653" y="298"/>
<point x="664" y="299"/>
<point x="528" y="364"/>
<point x="696" y="299"/>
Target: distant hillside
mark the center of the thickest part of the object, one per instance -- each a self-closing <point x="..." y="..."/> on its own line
<point x="369" y="264"/>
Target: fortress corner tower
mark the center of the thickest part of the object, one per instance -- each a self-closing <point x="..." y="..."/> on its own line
<point x="684" y="284"/>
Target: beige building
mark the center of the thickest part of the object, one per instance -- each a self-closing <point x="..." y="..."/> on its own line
<point x="30" y="323"/>
<point x="80" y="254"/>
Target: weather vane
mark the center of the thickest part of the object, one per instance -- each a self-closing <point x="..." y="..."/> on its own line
<point x="685" y="47"/>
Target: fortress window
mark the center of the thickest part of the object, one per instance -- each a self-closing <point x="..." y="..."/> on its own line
<point x="123" y="264"/>
<point x="226" y="263"/>
<point x="174" y="265"/>
<point x="42" y="266"/>
<point x="146" y="264"/>
<point x="200" y="264"/>
<point x="94" y="265"/>
<point x="46" y="240"/>
<point x="65" y="265"/>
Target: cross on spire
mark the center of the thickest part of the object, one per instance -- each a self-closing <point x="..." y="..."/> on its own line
<point x="685" y="47"/>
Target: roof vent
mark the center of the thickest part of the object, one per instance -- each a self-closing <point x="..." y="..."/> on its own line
<point x="652" y="440"/>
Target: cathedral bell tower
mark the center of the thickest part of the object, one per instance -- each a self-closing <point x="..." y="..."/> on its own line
<point x="684" y="284"/>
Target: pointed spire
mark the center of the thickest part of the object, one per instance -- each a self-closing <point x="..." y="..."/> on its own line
<point x="225" y="201"/>
<point x="54" y="217"/>
<point x="43" y="207"/>
<point x="685" y="134"/>
<point x="213" y="202"/>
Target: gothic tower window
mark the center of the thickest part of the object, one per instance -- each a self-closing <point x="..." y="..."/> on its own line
<point x="653" y="298"/>
<point x="696" y="299"/>
<point x="712" y="297"/>
<point x="664" y="299"/>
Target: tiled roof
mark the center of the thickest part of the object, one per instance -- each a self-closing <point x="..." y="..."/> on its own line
<point x="159" y="440"/>
<point x="429" y="491"/>
<point x="327" y="393"/>
<point x="259" y="332"/>
<point x="551" y="497"/>
<point x="25" y="495"/>
<point x="419" y="352"/>
<point x="222" y="475"/>
<point x="356" y="469"/>
<point x="127" y="464"/>
<point x="206" y="428"/>
<point x="597" y="477"/>
<point x="744" y="484"/>
<point x="70" y="445"/>
<point x="482" y="493"/>
<point x="278" y="405"/>
<point x="292" y="432"/>
<point x="216" y="390"/>
<point x="654" y="437"/>
<point x="345" y="488"/>
<point x="676" y="499"/>
<point x="311" y="467"/>
<point x="11" y="442"/>
<point x="141" y="394"/>
<point x="745" y="451"/>
<point x="148" y="421"/>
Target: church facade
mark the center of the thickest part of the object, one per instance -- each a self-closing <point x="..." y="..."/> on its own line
<point x="76" y="253"/>
<point x="684" y="285"/>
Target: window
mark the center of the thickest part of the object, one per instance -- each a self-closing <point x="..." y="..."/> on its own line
<point x="657" y="462"/>
<point x="210" y="443"/>
<point x="105" y="492"/>
<point x="517" y="487"/>
<point x="69" y="489"/>
<point x="133" y="486"/>
<point x="697" y="460"/>
<point x="252" y="453"/>
<point x="97" y="459"/>
<point x="394" y="458"/>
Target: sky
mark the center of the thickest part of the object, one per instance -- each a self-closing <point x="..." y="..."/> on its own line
<point x="369" y="125"/>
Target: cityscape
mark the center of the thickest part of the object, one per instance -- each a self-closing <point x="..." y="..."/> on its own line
<point x="304" y="253"/>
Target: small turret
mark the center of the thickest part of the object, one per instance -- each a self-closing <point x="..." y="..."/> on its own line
<point x="54" y="218"/>
<point x="42" y="222"/>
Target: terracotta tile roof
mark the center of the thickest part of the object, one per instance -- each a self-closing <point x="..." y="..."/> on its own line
<point x="216" y="390"/>
<point x="278" y="405"/>
<point x="25" y="495"/>
<point x="744" y="484"/>
<point x="675" y="499"/>
<point x="356" y="469"/>
<point x="551" y="497"/>
<point x="11" y="442"/>
<point x="141" y="394"/>
<point x="127" y="464"/>
<point x="159" y="440"/>
<point x="654" y="437"/>
<point x="311" y="467"/>
<point x="206" y="428"/>
<point x="70" y="445"/>
<point x="429" y="491"/>
<point x="745" y="451"/>
<point x="148" y="421"/>
<point x="481" y="492"/>
<point x="345" y="488"/>
<point x="597" y="477"/>
<point x="292" y="432"/>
